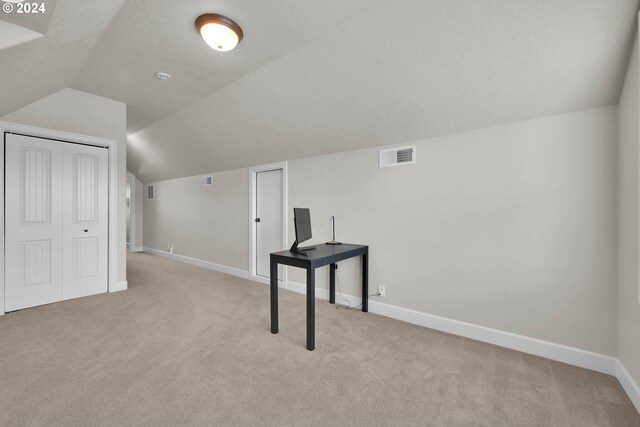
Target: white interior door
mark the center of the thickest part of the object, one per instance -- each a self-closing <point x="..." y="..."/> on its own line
<point x="269" y="230"/>
<point x="33" y="222"/>
<point x="85" y="220"/>
<point x="56" y="221"/>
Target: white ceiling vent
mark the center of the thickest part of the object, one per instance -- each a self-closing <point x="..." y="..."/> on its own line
<point x="206" y="180"/>
<point x="397" y="156"/>
<point x="151" y="192"/>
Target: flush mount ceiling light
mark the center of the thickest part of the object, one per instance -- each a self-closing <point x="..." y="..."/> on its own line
<point x="163" y="76"/>
<point x="220" y="32"/>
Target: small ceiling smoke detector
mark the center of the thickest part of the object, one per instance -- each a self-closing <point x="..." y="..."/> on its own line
<point x="220" y="32"/>
<point x="163" y="76"/>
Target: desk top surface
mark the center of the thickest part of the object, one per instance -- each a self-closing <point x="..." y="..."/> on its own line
<point x="323" y="251"/>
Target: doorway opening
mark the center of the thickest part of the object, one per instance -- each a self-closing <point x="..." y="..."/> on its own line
<point x="130" y="207"/>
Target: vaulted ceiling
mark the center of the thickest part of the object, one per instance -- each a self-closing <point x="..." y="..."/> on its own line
<point x="313" y="77"/>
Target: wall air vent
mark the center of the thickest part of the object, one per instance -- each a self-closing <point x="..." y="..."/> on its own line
<point x="206" y="180"/>
<point x="398" y="156"/>
<point x="151" y="192"/>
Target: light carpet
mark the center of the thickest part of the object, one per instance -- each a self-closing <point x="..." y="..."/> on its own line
<point x="189" y="346"/>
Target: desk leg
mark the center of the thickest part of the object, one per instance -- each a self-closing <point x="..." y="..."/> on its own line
<point x="311" y="309"/>
<point x="274" y="297"/>
<point x="365" y="282"/>
<point x="332" y="283"/>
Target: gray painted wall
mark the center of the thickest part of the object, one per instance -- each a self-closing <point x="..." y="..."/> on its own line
<point x="629" y="216"/>
<point x="207" y="223"/>
<point x="511" y="227"/>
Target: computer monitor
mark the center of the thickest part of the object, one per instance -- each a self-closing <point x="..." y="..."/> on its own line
<point x="302" y="225"/>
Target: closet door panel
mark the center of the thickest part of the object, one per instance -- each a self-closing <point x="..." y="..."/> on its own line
<point x="33" y="222"/>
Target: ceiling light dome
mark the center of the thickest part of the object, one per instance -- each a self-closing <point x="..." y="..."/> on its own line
<point x="220" y="32"/>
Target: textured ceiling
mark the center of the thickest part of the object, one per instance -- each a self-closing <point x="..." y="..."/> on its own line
<point x="151" y="35"/>
<point x="38" y="22"/>
<point x="12" y="35"/>
<point x="35" y="69"/>
<point x="314" y="77"/>
<point x="398" y="72"/>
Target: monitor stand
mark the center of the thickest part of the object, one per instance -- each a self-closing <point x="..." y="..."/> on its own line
<point x="300" y="251"/>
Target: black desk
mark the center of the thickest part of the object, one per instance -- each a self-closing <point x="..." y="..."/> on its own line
<point x="321" y="256"/>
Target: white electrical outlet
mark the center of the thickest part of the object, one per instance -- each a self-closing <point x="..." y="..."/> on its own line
<point x="382" y="292"/>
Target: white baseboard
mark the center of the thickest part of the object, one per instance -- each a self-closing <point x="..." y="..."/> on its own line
<point x="137" y="249"/>
<point x="200" y="263"/>
<point x="628" y="384"/>
<point x="549" y="350"/>
<point x="119" y="286"/>
<point x="324" y="294"/>
<point x="558" y="352"/>
<point x="265" y="281"/>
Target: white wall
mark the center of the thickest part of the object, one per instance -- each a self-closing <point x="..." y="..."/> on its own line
<point x="207" y="223"/>
<point x="78" y="112"/>
<point x="629" y="216"/>
<point x="511" y="227"/>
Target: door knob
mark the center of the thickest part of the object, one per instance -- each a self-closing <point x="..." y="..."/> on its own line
<point x="86" y="231"/>
<point x="257" y="219"/>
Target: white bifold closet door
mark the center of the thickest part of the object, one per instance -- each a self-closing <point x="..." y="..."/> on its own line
<point x="56" y="221"/>
<point x="85" y="186"/>
<point x="33" y="222"/>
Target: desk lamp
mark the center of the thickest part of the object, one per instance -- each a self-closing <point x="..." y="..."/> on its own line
<point x="333" y="242"/>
